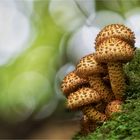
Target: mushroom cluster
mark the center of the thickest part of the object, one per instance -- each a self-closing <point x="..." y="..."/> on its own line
<point x="97" y="85"/>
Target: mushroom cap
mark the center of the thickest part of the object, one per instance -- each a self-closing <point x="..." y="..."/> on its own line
<point x="71" y="83"/>
<point x="113" y="107"/>
<point x="83" y="96"/>
<point x="116" y="30"/>
<point x="113" y="50"/>
<point x="93" y="114"/>
<point x="88" y="66"/>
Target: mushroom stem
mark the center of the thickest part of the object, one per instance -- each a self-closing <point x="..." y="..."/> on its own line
<point x="93" y="114"/>
<point x="117" y="79"/>
<point x="85" y="122"/>
<point x="87" y="125"/>
<point x="98" y="85"/>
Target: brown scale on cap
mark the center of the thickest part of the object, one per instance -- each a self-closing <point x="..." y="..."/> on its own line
<point x="93" y="114"/>
<point x="83" y="96"/>
<point x="89" y="66"/>
<point x="71" y="83"/>
<point x="98" y="85"/>
<point x="115" y="30"/>
<point x="113" y="50"/>
<point x="113" y="107"/>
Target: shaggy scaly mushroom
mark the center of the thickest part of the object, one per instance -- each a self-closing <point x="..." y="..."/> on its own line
<point x="80" y="97"/>
<point x="88" y="67"/>
<point x="115" y="49"/>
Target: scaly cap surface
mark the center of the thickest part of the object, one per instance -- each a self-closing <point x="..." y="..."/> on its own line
<point x="113" y="50"/>
<point x="118" y="31"/>
<point x="71" y="83"/>
<point x="83" y="96"/>
<point x="89" y="66"/>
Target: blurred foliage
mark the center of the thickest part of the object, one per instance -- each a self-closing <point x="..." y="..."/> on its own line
<point x="125" y="125"/>
<point x="120" y="6"/>
<point x="22" y="79"/>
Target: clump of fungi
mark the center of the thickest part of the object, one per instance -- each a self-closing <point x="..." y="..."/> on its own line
<point x="97" y="85"/>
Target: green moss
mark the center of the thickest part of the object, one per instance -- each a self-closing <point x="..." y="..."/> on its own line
<point x="125" y="125"/>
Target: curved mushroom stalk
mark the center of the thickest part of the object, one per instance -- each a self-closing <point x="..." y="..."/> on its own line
<point x="87" y="125"/>
<point x="117" y="79"/>
<point x="85" y="122"/>
<point x="98" y="85"/>
<point x="93" y="114"/>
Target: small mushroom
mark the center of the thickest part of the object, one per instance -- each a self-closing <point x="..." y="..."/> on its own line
<point x="88" y="67"/>
<point x="115" y="30"/>
<point x="71" y="83"/>
<point x="113" y="107"/>
<point x="115" y="52"/>
<point x="93" y="114"/>
<point x="82" y="97"/>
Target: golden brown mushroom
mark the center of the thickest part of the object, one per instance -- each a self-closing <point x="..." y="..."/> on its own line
<point x="113" y="107"/>
<point x="88" y="67"/>
<point x="115" y="52"/>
